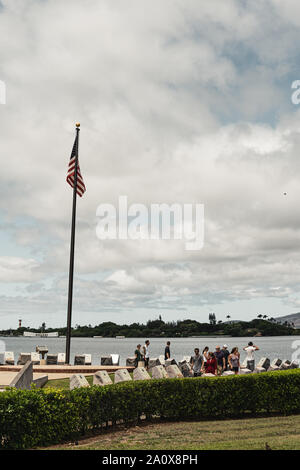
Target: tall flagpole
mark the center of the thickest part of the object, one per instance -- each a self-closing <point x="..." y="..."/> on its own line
<point x="72" y="247"/>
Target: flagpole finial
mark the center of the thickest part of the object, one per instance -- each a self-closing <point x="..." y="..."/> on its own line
<point x="77" y="124"/>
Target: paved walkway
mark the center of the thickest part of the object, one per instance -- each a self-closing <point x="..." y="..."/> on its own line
<point x="7" y="377"/>
<point x="7" y="373"/>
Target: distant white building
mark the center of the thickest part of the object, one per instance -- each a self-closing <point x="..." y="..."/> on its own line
<point x="29" y="334"/>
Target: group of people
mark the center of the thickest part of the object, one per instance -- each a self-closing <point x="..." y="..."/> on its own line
<point x="208" y="362"/>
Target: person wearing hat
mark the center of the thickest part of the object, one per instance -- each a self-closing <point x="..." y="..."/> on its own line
<point x="226" y="355"/>
<point x="219" y="355"/>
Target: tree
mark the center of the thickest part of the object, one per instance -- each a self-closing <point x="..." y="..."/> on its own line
<point x="212" y="318"/>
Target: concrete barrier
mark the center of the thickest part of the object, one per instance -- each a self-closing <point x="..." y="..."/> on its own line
<point x="24" y="358"/>
<point x="51" y="359"/>
<point x="173" y="372"/>
<point x="106" y="361"/>
<point x="245" y="371"/>
<point x="171" y="362"/>
<point x="153" y="362"/>
<point x="130" y="361"/>
<point x="122" y="375"/>
<point x="140" y="373"/>
<point x="24" y="377"/>
<point x="159" y="372"/>
<point x="78" y="381"/>
<point x="264" y="363"/>
<point x="102" y="378"/>
<point x="40" y="381"/>
<point x="79" y="360"/>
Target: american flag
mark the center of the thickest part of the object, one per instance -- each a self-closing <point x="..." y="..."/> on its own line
<point x="71" y="171"/>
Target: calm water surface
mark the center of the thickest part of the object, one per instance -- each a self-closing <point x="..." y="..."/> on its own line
<point x="278" y="346"/>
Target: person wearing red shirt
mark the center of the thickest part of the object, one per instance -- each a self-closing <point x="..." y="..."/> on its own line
<point x="211" y="364"/>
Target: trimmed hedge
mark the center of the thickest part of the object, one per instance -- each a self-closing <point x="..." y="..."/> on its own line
<point x="42" y="417"/>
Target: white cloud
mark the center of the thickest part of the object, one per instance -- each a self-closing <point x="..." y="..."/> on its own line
<point x="174" y="98"/>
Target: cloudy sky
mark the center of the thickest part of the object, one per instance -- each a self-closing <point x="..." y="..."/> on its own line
<point x="180" y="101"/>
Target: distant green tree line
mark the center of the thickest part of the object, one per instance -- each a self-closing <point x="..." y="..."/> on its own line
<point x="180" y="328"/>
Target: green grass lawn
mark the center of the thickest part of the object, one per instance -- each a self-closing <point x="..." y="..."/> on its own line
<point x="280" y="433"/>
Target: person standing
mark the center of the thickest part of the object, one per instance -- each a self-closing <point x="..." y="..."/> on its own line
<point x="250" y="349"/>
<point x="197" y="363"/>
<point x="167" y="351"/>
<point x="219" y="355"/>
<point x="226" y="355"/>
<point x="205" y="354"/>
<point x="211" y="364"/>
<point x="234" y="360"/>
<point x="138" y="355"/>
<point x="146" y="353"/>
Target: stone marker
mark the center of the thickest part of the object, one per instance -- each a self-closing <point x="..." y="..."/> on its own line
<point x="23" y="379"/>
<point x="51" y="359"/>
<point x="23" y="358"/>
<point x="276" y="362"/>
<point x="140" y="373"/>
<point x="78" y="381"/>
<point x="122" y="375"/>
<point x="258" y="370"/>
<point x="106" y="361"/>
<point x="79" y="360"/>
<point x="130" y="361"/>
<point x="88" y="359"/>
<point x="264" y="363"/>
<point x="294" y="365"/>
<point x="273" y="368"/>
<point x="162" y="359"/>
<point x="228" y="372"/>
<point x="285" y="365"/>
<point x="245" y="371"/>
<point x="153" y="361"/>
<point x="102" y="378"/>
<point x="61" y="358"/>
<point x="173" y="372"/>
<point x="115" y="359"/>
<point x="35" y="357"/>
<point x="170" y="362"/>
<point x="159" y="372"/>
<point x="185" y="369"/>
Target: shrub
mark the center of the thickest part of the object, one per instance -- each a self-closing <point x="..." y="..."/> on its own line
<point x="43" y="417"/>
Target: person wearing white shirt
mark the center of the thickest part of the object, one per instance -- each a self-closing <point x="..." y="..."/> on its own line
<point x="250" y="349"/>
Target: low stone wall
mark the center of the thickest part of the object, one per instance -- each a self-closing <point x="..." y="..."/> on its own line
<point x="40" y="381"/>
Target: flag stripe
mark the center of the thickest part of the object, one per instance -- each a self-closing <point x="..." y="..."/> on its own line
<point x="80" y="189"/>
